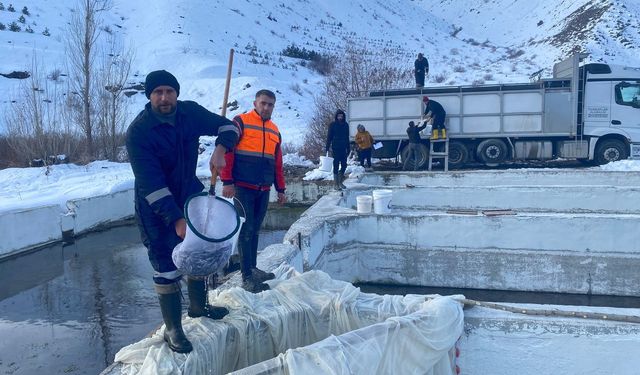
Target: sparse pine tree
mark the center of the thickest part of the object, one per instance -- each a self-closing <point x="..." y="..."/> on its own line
<point x="22" y="19"/>
<point x="14" y="27"/>
<point x="46" y="32"/>
<point x="29" y="29"/>
<point x="11" y="8"/>
<point x="2" y="26"/>
<point x="25" y="11"/>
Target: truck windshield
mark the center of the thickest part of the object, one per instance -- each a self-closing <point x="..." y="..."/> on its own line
<point x="628" y="94"/>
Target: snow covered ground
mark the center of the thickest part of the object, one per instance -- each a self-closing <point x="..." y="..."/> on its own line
<point x="22" y="188"/>
<point x="465" y="42"/>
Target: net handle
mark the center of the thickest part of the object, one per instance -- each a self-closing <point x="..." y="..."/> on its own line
<point x="214" y="178"/>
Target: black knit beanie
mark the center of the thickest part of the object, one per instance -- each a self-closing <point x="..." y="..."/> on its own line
<point x="160" y="78"/>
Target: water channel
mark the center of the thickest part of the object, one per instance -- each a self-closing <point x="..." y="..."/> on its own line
<point x="69" y="309"/>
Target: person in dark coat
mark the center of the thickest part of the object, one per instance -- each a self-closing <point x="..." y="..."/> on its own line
<point x="435" y="113"/>
<point x="338" y="141"/>
<point x="421" y="68"/>
<point x="413" y="132"/>
<point x="162" y="143"/>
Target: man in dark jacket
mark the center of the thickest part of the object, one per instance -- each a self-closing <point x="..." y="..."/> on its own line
<point x="338" y="140"/>
<point x="162" y="143"/>
<point x="251" y="169"/>
<point x="413" y="132"/>
<point x="435" y="113"/>
<point x="421" y="67"/>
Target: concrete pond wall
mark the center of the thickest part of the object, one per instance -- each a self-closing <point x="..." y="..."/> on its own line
<point x="569" y="232"/>
<point x="26" y="229"/>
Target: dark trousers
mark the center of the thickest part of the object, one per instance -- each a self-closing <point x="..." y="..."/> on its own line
<point x="365" y="155"/>
<point x="160" y="239"/>
<point x="339" y="160"/>
<point x="419" y="79"/>
<point x="255" y="204"/>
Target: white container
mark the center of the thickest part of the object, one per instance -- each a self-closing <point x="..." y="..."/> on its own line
<point x="382" y="201"/>
<point x="364" y="203"/>
<point x="326" y="163"/>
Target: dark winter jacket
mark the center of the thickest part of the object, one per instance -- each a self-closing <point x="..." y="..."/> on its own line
<point x="435" y="110"/>
<point x="164" y="157"/>
<point x="421" y="66"/>
<point x="338" y="134"/>
<point x="414" y="133"/>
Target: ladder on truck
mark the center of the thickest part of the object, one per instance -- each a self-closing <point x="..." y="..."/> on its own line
<point x="444" y="154"/>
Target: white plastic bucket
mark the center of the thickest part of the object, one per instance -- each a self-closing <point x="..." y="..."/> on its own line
<point x="382" y="201"/>
<point x="326" y="163"/>
<point x="364" y="203"/>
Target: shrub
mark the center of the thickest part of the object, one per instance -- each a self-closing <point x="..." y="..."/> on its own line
<point x="25" y="11"/>
<point x="22" y="19"/>
<point x="1" y="6"/>
<point x="29" y="29"/>
<point x="459" y="69"/>
<point x="46" y="32"/>
<point x="11" y="8"/>
<point x="14" y="27"/>
<point x="2" y="26"/>
<point x="358" y="71"/>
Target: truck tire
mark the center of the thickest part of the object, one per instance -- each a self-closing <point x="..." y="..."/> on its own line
<point x="492" y="152"/>
<point x="458" y="154"/>
<point x="423" y="157"/>
<point x="610" y="150"/>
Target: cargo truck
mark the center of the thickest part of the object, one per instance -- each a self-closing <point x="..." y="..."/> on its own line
<point x="588" y="112"/>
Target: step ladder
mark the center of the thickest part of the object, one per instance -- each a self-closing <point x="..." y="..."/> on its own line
<point x="444" y="155"/>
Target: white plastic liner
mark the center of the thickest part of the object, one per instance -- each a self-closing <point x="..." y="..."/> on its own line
<point x="416" y="335"/>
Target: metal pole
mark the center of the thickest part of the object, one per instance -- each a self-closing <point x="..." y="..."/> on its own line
<point x="227" y="84"/>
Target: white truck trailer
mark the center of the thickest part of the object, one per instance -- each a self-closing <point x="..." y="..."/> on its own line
<point x="589" y="112"/>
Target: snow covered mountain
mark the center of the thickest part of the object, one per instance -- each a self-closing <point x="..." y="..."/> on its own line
<point x="466" y="41"/>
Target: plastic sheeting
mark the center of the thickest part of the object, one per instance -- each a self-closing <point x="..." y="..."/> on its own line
<point x="336" y="329"/>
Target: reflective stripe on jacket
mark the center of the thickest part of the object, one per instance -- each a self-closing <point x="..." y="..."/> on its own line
<point x="256" y="162"/>
<point x="164" y="159"/>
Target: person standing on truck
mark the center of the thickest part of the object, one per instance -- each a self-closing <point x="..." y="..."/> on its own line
<point x="421" y="68"/>
<point x="338" y="141"/>
<point x="253" y="166"/>
<point x="435" y="113"/>
<point x="413" y="132"/>
<point x="364" y="143"/>
<point x="162" y="143"/>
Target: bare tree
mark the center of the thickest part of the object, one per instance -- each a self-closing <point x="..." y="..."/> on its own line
<point x="84" y="30"/>
<point x="357" y="72"/>
<point x="114" y="72"/>
<point x="36" y="129"/>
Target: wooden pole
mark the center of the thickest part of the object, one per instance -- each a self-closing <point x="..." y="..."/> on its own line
<point x="227" y="84"/>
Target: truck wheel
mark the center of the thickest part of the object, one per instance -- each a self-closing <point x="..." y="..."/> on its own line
<point x="458" y="154"/>
<point x="492" y="152"/>
<point x="423" y="157"/>
<point x="610" y="150"/>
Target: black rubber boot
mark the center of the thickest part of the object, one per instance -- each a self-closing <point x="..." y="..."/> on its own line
<point x="198" y="305"/>
<point x="252" y="285"/>
<point x="171" y="308"/>
<point x="341" y="176"/>
<point x="336" y="181"/>
<point x="262" y="276"/>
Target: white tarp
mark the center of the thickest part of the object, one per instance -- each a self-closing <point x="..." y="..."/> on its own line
<point x="365" y="333"/>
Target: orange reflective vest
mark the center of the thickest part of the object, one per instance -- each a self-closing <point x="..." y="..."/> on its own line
<point x="256" y="162"/>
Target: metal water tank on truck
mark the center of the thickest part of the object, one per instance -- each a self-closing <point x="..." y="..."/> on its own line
<point x="589" y="112"/>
